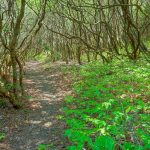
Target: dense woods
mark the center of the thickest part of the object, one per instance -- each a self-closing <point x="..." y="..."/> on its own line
<point x="109" y="39"/>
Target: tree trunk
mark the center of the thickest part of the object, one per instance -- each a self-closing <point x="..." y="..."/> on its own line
<point x="20" y="76"/>
<point x="79" y="55"/>
<point x="14" y="73"/>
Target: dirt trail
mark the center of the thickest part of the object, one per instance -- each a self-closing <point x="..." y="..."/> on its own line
<point x="28" y="128"/>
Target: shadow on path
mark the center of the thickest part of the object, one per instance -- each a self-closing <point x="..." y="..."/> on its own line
<point x="39" y="123"/>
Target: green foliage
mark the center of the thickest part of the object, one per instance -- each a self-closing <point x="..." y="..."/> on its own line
<point x="3" y="103"/>
<point x="104" y="143"/>
<point x="41" y="57"/>
<point x="44" y="146"/>
<point x="110" y="107"/>
<point x="131" y="146"/>
<point x="2" y="136"/>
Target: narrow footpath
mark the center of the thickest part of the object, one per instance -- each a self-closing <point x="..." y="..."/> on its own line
<point x="38" y="123"/>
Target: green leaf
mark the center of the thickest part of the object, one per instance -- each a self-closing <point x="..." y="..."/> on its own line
<point x="2" y="136"/>
<point x="44" y="146"/>
<point x="130" y="146"/>
<point x="71" y="148"/>
<point x="104" y="143"/>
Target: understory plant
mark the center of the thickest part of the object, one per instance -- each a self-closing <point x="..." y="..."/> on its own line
<point x="110" y="107"/>
<point x="2" y="136"/>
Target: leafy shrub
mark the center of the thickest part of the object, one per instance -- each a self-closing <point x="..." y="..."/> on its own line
<point x="109" y="109"/>
<point x="3" y="103"/>
<point x="44" y="146"/>
<point x="2" y="136"/>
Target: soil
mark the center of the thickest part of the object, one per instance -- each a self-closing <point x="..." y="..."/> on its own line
<point x="38" y="122"/>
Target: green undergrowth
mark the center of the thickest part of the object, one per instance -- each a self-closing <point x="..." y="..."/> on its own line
<point x="45" y="146"/>
<point x="2" y="136"/>
<point x="110" y="107"/>
<point x="41" y="57"/>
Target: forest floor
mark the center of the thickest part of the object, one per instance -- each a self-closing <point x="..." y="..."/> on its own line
<point x="38" y="123"/>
